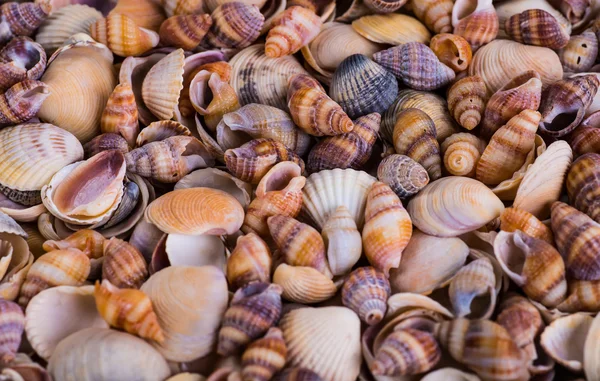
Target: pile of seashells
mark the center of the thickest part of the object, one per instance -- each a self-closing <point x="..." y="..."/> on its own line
<point x="300" y="190"/>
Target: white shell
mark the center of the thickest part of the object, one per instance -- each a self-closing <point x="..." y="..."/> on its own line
<point x="343" y="241"/>
<point x="564" y="339"/>
<point x="64" y="23"/>
<point x="199" y="250"/>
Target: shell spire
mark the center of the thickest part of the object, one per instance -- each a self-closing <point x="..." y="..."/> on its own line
<point x="22" y="19"/>
<point x="121" y="114"/>
<point x="291" y="30"/>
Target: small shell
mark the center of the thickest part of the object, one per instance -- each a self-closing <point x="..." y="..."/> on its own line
<point x="452" y="50"/>
<point x="105" y="142"/>
<point x="161" y="130"/>
<point x="162" y="85"/>
<point x="302" y="284"/>
<point x="564" y="103"/>
<point x="521" y="319"/>
<point x="405" y="176"/>
<point x="184" y="31"/>
<point x="452" y="206"/>
<point x="436" y="14"/>
<point x="181" y="7"/>
<point x="508" y="148"/>
<point x="343" y="241"/>
<point x="564" y="339"/>
<point x="147" y="14"/>
<point x="537" y="27"/>
<point x="366" y="292"/>
<point x="590" y="353"/>
<point x="127" y="309"/>
<point x="123" y="265"/>
<point x="89" y="241"/>
<point x="264" y="357"/>
<point x="476" y="21"/>
<point x="212" y="98"/>
<point x="466" y="101"/>
<point x="583" y="297"/>
<point x="579" y="55"/>
<point x="121" y="114"/>
<point x="122" y="36"/>
<point x="254" y="309"/>
<point x="12" y="325"/>
<point x="64" y="23"/>
<point x="461" y="153"/>
<point x="472" y="290"/>
<point x="416" y="65"/>
<point x="60" y="267"/>
<point x="249" y="261"/>
<point x="582" y="184"/>
<point x="22" y="102"/>
<point x="534" y="265"/>
<point x="21" y="59"/>
<point x="391" y="29"/>
<point x="520" y="93"/>
<point x="513" y="219"/>
<point x="193" y="212"/>
<point x="22" y="19"/>
<point x="291" y="30"/>
<point x="415" y="136"/>
<point x="235" y="25"/>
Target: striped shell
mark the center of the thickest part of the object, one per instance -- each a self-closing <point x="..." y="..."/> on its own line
<point x="452" y="50"/>
<point x="461" y="153"/>
<point x="22" y="19"/>
<point x="301" y="284"/>
<point x="121" y="114"/>
<point x="343" y="241"/>
<point x="513" y="219"/>
<point x="12" y="325"/>
<point x="21" y="59"/>
<point x="472" y="290"/>
<point x="122" y="35"/>
<point x="366" y="292"/>
<point x="291" y="30"/>
<point x="162" y="85"/>
<point x="476" y="21"/>
<point x="537" y="27"/>
<point x="264" y="357"/>
<point x="65" y="22"/>
<point x="582" y="184"/>
<point x="580" y="52"/>
<point x="235" y="25"/>
<point x="405" y="176"/>
<point x="435" y="14"/>
<point x="466" y="101"/>
<point x="123" y="265"/>
<point x="184" y="31"/>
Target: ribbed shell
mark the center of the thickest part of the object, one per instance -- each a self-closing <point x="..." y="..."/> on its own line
<point x="461" y="153"/>
<point x="362" y="86"/>
<point x="162" y="85"/>
<point x="343" y="241"/>
<point x="391" y="29"/>
<point x="405" y="176"/>
<point x="184" y="31"/>
<point x="161" y="130"/>
<point x="21" y="59"/>
<point x="235" y="25"/>
<point x="22" y="19"/>
<point x="476" y="21"/>
<point x="536" y="27"/>
<point x="89" y="241"/>
<point x="123" y="265"/>
<point x="521" y="319"/>
<point x="582" y="185"/>
<point x="249" y="261"/>
<point x="564" y="340"/>
<point x="12" y="325"/>
<point x="452" y="50"/>
<point x="384" y="6"/>
<point x="22" y="102"/>
<point x="122" y="35"/>
<point x="416" y="65"/>
<point x="291" y="30"/>
<point x="584" y="296"/>
<point x="585" y="139"/>
<point x="212" y="97"/>
<point x="436" y="14"/>
<point x="254" y="309"/>
<point x="579" y="55"/>
<point x="264" y="357"/>
<point x="121" y="114"/>
<point x="513" y="219"/>
<point x="305" y="285"/>
<point x="387" y="229"/>
<point x="466" y="101"/>
<point x="65" y="22"/>
<point x="474" y="280"/>
<point x="406" y="352"/>
<point x="105" y="142"/>
<point x="366" y="292"/>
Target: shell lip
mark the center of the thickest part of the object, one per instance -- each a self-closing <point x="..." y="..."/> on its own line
<point x="106" y="53"/>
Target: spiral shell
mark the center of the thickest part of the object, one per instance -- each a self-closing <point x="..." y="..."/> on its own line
<point x="366" y="292"/>
<point x="235" y="25"/>
<point x="580" y="52"/>
<point x="513" y="219"/>
<point x="22" y="19"/>
<point x="343" y="241"/>
<point x="249" y="261"/>
<point x="436" y="14"/>
<point x="212" y="101"/>
<point x="461" y="153"/>
<point x="452" y="50"/>
<point x="474" y="280"/>
<point x="162" y="85"/>
<point x="21" y="59"/>
<point x="301" y="284"/>
<point x="582" y="183"/>
<point x="406" y="352"/>
<point x="466" y="101"/>
<point x="585" y="139"/>
<point x="416" y="65"/>
<point x="391" y="29"/>
<point x="22" y="102"/>
<point x="89" y="241"/>
<point x="147" y="14"/>
<point x="64" y="23"/>
<point x="181" y="7"/>
<point x="161" y="130"/>
<point x="123" y="265"/>
<point x="521" y="319"/>
<point x="537" y="27"/>
<point x="402" y="174"/>
<point x="264" y="357"/>
<point x="476" y="21"/>
<point x="291" y="30"/>
<point x="122" y="36"/>
<point x="184" y="31"/>
<point x="121" y="114"/>
<point x="12" y="325"/>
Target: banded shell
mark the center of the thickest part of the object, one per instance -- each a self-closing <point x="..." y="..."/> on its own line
<point x="147" y="14"/>
<point x="212" y="98"/>
<point x="405" y="176"/>
<point x="441" y="208"/>
<point x="366" y="292"/>
<point x="162" y="85"/>
<point x="580" y="52"/>
<point x="391" y="29"/>
<point x="452" y="50"/>
<point x="121" y="114"/>
<point x="436" y="14"/>
<point x="461" y="153"/>
<point x="301" y="284"/>
<point x="343" y="241"/>
<point x="235" y="25"/>
<point x="22" y="101"/>
<point x="384" y="6"/>
<point x="184" y="31"/>
<point x="476" y="21"/>
<point x="161" y="130"/>
<point x="249" y="261"/>
<point x="65" y="22"/>
<point x="513" y="219"/>
<point x="564" y="340"/>
<point x="21" y="59"/>
<point x="537" y="27"/>
<point x="582" y="182"/>
<point x="291" y="30"/>
<point x="505" y="11"/>
<point x="123" y="36"/>
<point x="123" y="265"/>
<point x="105" y="142"/>
<point x="582" y="297"/>
<point x="22" y="19"/>
<point x="466" y="101"/>
<point x="472" y="290"/>
<point x="12" y="325"/>
<point x="89" y="241"/>
<point x="264" y="357"/>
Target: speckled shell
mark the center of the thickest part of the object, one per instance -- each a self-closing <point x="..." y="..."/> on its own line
<point x="415" y="136"/>
<point x="361" y="86"/>
<point x="405" y="176"/>
<point x="123" y="265"/>
<point x="305" y="285"/>
<point x="387" y="229"/>
<point x="65" y="22"/>
<point x="476" y="21"/>
<point x="513" y="219"/>
<point x="416" y="65"/>
<point x="22" y="19"/>
<point x="452" y="50"/>
<point x="474" y="280"/>
<point x="579" y="55"/>
<point x="249" y="261"/>
<point x="12" y="325"/>
<point x="121" y="114"/>
<point x="343" y="241"/>
<point x="452" y="206"/>
<point x="291" y="30"/>
<point x="184" y="31"/>
<point x="366" y="292"/>
<point x="89" y="241"/>
<point x="162" y="85"/>
<point x="466" y="101"/>
<point x="21" y="59"/>
<point x="264" y="357"/>
<point x="582" y="184"/>
<point x="436" y="14"/>
<point x="461" y="153"/>
<point x="536" y="27"/>
<point x="391" y="29"/>
<point x="406" y="352"/>
<point x="235" y="25"/>
<point x="123" y="36"/>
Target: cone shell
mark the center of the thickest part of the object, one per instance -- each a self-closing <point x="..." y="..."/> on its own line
<point x="343" y="241"/>
<point x="564" y="340"/>
<point x="253" y="310"/>
<point x="582" y="182"/>
<point x="508" y="148"/>
<point x="472" y="290"/>
<point x="57" y="268"/>
<point x="89" y="241"/>
<point x="476" y="21"/>
<point x="323" y="340"/>
<point x="461" y="153"/>
<point x="466" y="101"/>
<point x="121" y="114"/>
<point x="122" y="36"/>
<point x="416" y="65"/>
<point x="366" y="292"/>
<point x="513" y="219"/>
<point x="65" y="22"/>
<point x="22" y="19"/>
<point x="291" y="30"/>
<point x="192" y="211"/>
<point x="537" y="27"/>
<point x="452" y="50"/>
<point x="579" y="55"/>
<point x="436" y="14"/>
<point x="184" y="31"/>
<point x="12" y="325"/>
<point x="452" y="206"/>
<point x="391" y="29"/>
<point x="264" y="357"/>
<point x="235" y="25"/>
<point x="162" y="85"/>
<point x="521" y="319"/>
<point x="402" y="174"/>
<point x="21" y="59"/>
<point x="415" y="137"/>
<point x="105" y="142"/>
<point x="520" y="93"/>
<point x="123" y="265"/>
<point x="302" y="284"/>
<point x="147" y="14"/>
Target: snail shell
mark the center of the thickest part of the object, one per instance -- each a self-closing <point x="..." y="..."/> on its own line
<point x="405" y="176"/>
<point x="452" y="50"/>
<point x="123" y="265"/>
<point x="21" y="59"/>
<point x="264" y="357"/>
<point x="513" y="219"/>
<point x="22" y="19"/>
<point x="235" y="25"/>
<point x="537" y="27"/>
<point x="466" y="101"/>
<point x="291" y="30"/>
<point x="436" y="14"/>
<point x="582" y="182"/>
<point x="461" y="153"/>
<point x="184" y="31"/>
<point x="579" y="53"/>
<point x="121" y="114"/>
<point x="366" y="292"/>
<point x="476" y="21"/>
<point x="123" y="36"/>
<point x="343" y="241"/>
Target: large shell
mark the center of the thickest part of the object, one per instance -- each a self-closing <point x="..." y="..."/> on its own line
<point x="582" y="184"/>
<point x="324" y="340"/>
<point x="466" y="101"/>
<point x="366" y="292"/>
<point x="162" y="85"/>
<point x="21" y="59"/>
<point x="461" y="153"/>
<point x="123" y="36"/>
<point x="537" y="27"/>
<point x="564" y="340"/>
<point x="513" y="219"/>
<point x="22" y="19"/>
<point x="196" y="211"/>
<point x="343" y="241"/>
<point x="476" y="21"/>
<point x="217" y="179"/>
<point x="392" y="29"/>
<point x="249" y="261"/>
<point x="472" y="290"/>
<point x="264" y="357"/>
<point x="452" y="50"/>
<point x="580" y="52"/>
<point x="436" y="14"/>
<point x="123" y="265"/>
<point x="99" y="354"/>
<point x="291" y="30"/>
<point x="405" y="176"/>
<point x="65" y="22"/>
<point x="22" y="101"/>
<point x="184" y="31"/>
<point x="235" y="25"/>
<point x="303" y="284"/>
<point x="121" y="114"/>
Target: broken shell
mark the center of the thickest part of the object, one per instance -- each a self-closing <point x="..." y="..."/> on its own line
<point x="184" y="31"/>
<point x="405" y="176"/>
<point x="452" y="206"/>
<point x="22" y="19"/>
<point x="366" y="292"/>
<point x="161" y="130"/>
<point x="536" y="27"/>
<point x="291" y="30"/>
<point x="121" y="114"/>
<point x="466" y="101"/>
<point x="217" y="179"/>
<point x="461" y="153"/>
<point x="123" y="265"/>
<point x="146" y="13"/>
<point x="264" y="357"/>
<point x="579" y="55"/>
<point x="564" y="339"/>
<point x="582" y="182"/>
<point x="436" y="14"/>
<point x="21" y="59"/>
<point x="249" y="261"/>
<point x="343" y="241"/>
<point x="162" y="85"/>
<point x="89" y="241"/>
<point x="452" y="50"/>
<point x="589" y="352"/>
<point x="476" y="21"/>
<point x="22" y="102"/>
<point x="391" y="29"/>
<point x="302" y="284"/>
<point x="472" y="290"/>
<point x="513" y="219"/>
<point x="123" y="36"/>
<point x="235" y="25"/>
<point x="196" y="211"/>
<point x="105" y="142"/>
<point x="64" y="23"/>
<point x="212" y="97"/>
<point x="188" y="250"/>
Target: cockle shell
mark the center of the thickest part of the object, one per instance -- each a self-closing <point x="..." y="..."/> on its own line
<point x="12" y="325"/>
<point x="582" y="182"/>
<point x="21" y="59"/>
<point x="22" y="19"/>
<point x="161" y="130"/>
<point x="452" y="50"/>
<point x="366" y="292"/>
<point x="147" y="14"/>
<point x="22" y="101"/>
<point x="436" y="14"/>
<point x="184" y="31"/>
<point x="466" y="101"/>
<point x="441" y="208"/>
<point x="121" y="114"/>
<point x="123" y="265"/>
<point x="342" y="240"/>
<point x="123" y="36"/>
<point x="249" y="261"/>
<point x="291" y="30"/>
<point x="387" y="229"/>
<point x="536" y="27"/>
<point x="564" y="340"/>
<point x="264" y="357"/>
<point x="235" y="25"/>
<point x="472" y="290"/>
<point x="196" y="211"/>
<point x="461" y="153"/>
<point x="65" y="22"/>
<point x="89" y="241"/>
<point x="301" y="284"/>
<point x="405" y="176"/>
<point x="513" y="219"/>
<point x="476" y="21"/>
<point x="391" y="29"/>
<point x="162" y="85"/>
<point x="579" y="53"/>
<point x="105" y="142"/>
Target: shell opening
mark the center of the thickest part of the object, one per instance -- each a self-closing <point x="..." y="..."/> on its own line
<point x="561" y="121"/>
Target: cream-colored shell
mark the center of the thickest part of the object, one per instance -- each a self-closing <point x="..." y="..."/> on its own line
<point x="342" y="240"/>
<point x="392" y="29"/>
<point x="162" y="85"/>
<point x="217" y="179"/>
<point x="196" y="250"/>
<point x="591" y="351"/>
<point x="564" y="340"/>
<point x="65" y="22"/>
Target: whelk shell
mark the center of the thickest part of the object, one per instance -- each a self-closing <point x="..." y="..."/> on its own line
<point x="291" y="30"/>
<point x="22" y="101"/>
<point x="405" y="176"/>
<point x="461" y="153"/>
<point x="21" y="59"/>
<point x="391" y="29"/>
<point x="452" y="50"/>
<point x="249" y="261"/>
<point x="123" y="265"/>
<point x="366" y="292"/>
<point x="184" y="31"/>
<point x="64" y="23"/>
<point x="436" y="14"/>
<point x="582" y="183"/>
<point x="123" y="36"/>
<point x="264" y="357"/>
<point x="466" y="101"/>
<point x="105" y="142"/>
<point x="12" y="325"/>
<point x="343" y="241"/>
<point x="579" y="55"/>
<point x="235" y="25"/>
<point x="121" y="114"/>
<point x="537" y="27"/>
<point x="476" y="21"/>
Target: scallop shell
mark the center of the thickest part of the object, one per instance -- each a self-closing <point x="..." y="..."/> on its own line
<point x="466" y="101"/>
<point x="123" y="36"/>
<point x="162" y="85"/>
<point x="123" y="265"/>
<point x="472" y="290"/>
<point x="564" y="339"/>
<point x="391" y="29"/>
<point x="291" y="30"/>
<point x="581" y="182"/>
<point x="513" y="219"/>
<point x="405" y="176"/>
<point x="217" y="179"/>
<point x="303" y="284"/>
<point x="184" y="31"/>
<point x="461" y="153"/>
<point x="343" y="241"/>
<point x="65" y="22"/>
<point x="366" y="292"/>
<point x="476" y="21"/>
<point x="264" y="357"/>
<point x="249" y="261"/>
<point x="147" y="14"/>
<point x="579" y="53"/>
<point x="21" y="59"/>
<point x="452" y="50"/>
<point x="22" y="19"/>
<point x="537" y="27"/>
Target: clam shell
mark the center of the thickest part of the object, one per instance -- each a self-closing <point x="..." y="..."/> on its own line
<point x="466" y="101"/>
<point x="578" y="55"/>
<point x="343" y="241"/>
<point x="235" y="25"/>
<point x="217" y="179"/>
<point x="452" y="50"/>
<point x="302" y="284"/>
<point x="537" y="27"/>
<point x="162" y="85"/>
<point x="476" y="21"/>
<point x="405" y="176"/>
<point x="264" y="357"/>
<point x="391" y="29"/>
<point x="184" y="31"/>
<point x="123" y="36"/>
<point x="461" y="153"/>
<point x="581" y="182"/>
<point x="21" y="59"/>
<point x="366" y="292"/>
<point x="249" y="261"/>
<point x="291" y="30"/>
<point x="564" y="339"/>
<point x="65" y="22"/>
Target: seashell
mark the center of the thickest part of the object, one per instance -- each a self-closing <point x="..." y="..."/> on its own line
<point x="235" y="25"/>
<point x="22" y="102"/>
<point x="211" y="5"/>
<point x="406" y="352"/>
<point x="536" y="27"/>
<point x="302" y="284"/>
<point x="490" y="63"/>
<point x="523" y="257"/>
<point x="187" y="250"/>
<point x="324" y="340"/>
<point x="224" y="99"/>
<point x="415" y="136"/>
<point x="580" y="52"/>
<point x="184" y="31"/>
<point x="391" y="29"/>
<point x="575" y="236"/>
<point x="253" y="160"/>
<point x="387" y="229"/>
<point x="589" y="352"/>
<point x="431" y="104"/>
<point x="416" y="65"/>
<point x="520" y="93"/>
<point x="428" y="263"/>
<point x="46" y="326"/>
<point x="476" y="21"/>
<point x="563" y="338"/>
<point x="192" y="211"/>
<point x="105" y="142"/>
<point x="442" y="209"/>
<point x="505" y="11"/>
<point x="90" y="242"/>
<point x="123" y="36"/>
<point x="181" y="7"/>
<point x="349" y="150"/>
<point x="402" y="174"/>
<point x="161" y="130"/>
<point x="362" y="87"/>
<point x="217" y="179"/>
<point x="297" y="374"/>
<point x="12" y="325"/>
<point x="450" y="374"/>
<point x="466" y="101"/>
<point x="249" y="261"/>
<point x="452" y="50"/>
<point x="21" y="59"/>
<point x="57" y="268"/>
<point x="127" y="309"/>
<point x="121" y="114"/>
<point x="508" y="148"/>
<point x="264" y="357"/>
<point x="168" y="160"/>
<point x="584" y="139"/>
<point x="436" y="14"/>
<point x="484" y="347"/>
<point x="343" y="241"/>
<point x="123" y="265"/>
<point x="190" y="319"/>
<point x="472" y="290"/>
<point x="461" y="153"/>
<point x="581" y="184"/>
<point x="22" y="19"/>
<point x="257" y="78"/>
<point x="64" y="23"/>
<point x="582" y="297"/>
<point x="366" y="292"/>
<point x="162" y="85"/>
<point x="291" y="30"/>
<point x="521" y="319"/>
<point x="539" y="189"/>
<point x="513" y="219"/>
<point x="147" y="14"/>
<point x="253" y="310"/>
<point x="299" y="244"/>
<point x="116" y="355"/>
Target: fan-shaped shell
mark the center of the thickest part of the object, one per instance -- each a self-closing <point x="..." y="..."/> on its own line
<point x="392" y="29"/>
<point x="301" y="284"/>
<point x="65" y="22"/>
<point x="123" y="36"/>
<point x="147" y="14"/>
<point x="22" y="19"/>
<point x="162" y="85"/>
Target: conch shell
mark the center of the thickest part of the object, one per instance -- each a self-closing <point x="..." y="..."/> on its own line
<point x="436" y="14"/>
<point x="22" y="19"/>
<point x="366" y="292"/>
<point x="249" y="261"/>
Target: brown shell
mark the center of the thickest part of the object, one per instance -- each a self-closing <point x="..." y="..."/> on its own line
<point x="123" y="36"/>
<point x="583" y="185"/>
<point x="405" y="176"/>
<point x="12" y="325"/>
<point x="105" y="142"/>
<point x="513" y="219"/>
<point x="184" y="31"/>
<point x="452" y="50"/>
<point x="476" y="21"/>
<point x="466" y="101"/>
<point x="584" y="296"/>
<point x="416" y="65"/>
<point x="405" y="352"/>
<point x="249" y="261"/>
<point x="22" y="102"/>
<point x="579" y="55"/>
<point x="297" y="374"/>
<point x="124" y="266"/>
<point x="235" y="25"/>
<point x="291" y="30"/>
<point x="121" y="114"/>
<point x="435" y="14"/>
<point x="536" y="27"/>
<point x="585" y="139"/>
<point x="21" y="59"/>
<point x="253" y="310"/>
<point x="89" y="241"/>
<point x="521" y="319"/>
<point x="22" y="19"/>
<point x="366" y="292"/>
<point x="161" y="130"/>
<point x="264" y="357"/>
